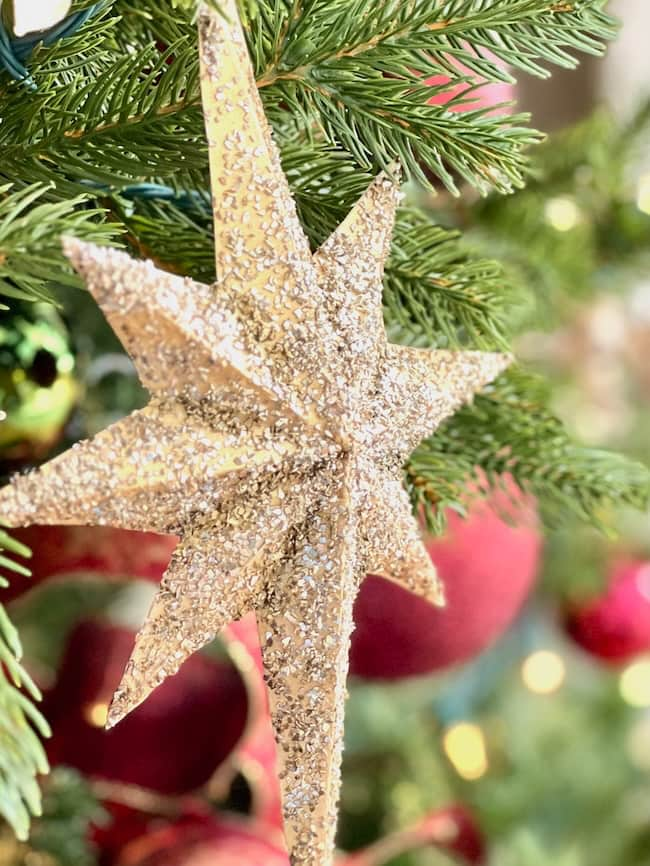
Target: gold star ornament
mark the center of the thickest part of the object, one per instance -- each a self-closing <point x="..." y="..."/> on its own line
<point x="273" y="444"/>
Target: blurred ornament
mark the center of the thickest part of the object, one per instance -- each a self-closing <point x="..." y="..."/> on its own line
<point x="66" y="551"/>
<point x="31" y="16"/>
<point x="616" y="626"/>
<point x="256" y="756"/>
<point x="15" y="853"/>
<point x="70" y="552"/>
<point x="204" y="707"/>
<point x="453" y="829"/>
<point x="488" y="567"/>
<point x="208" y="842"/>
<point x="37" y="387"/>
<point x="477" y="92"/>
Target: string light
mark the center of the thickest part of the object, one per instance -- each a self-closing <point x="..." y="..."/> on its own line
<point x="543" y="672"/>
<point x="464" y="745"/>
<point x="643" y="194"/>
<point x="96" y="714"/>
<point x="37" y="15"/>
<point x="562" y="213"/>
<point x="634" y="684"/>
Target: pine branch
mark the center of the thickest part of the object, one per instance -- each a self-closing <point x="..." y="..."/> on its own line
<point x="438" y="294"/>
<point x="587" y="170"/>
<point x="31" y="261"/>
<point x="510" y="429"/>
<point x="22" y="757"/>
<point x="517" y="32"/>
<point x="359" y="74"/>
<point x="355" y="76"/>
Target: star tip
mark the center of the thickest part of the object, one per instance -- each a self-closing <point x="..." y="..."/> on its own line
<point x="440" y="598"/>
<point x="70" y="244"/>
<point x="438" y="595"/>
<point x="394" y="171"/>
<point x="219" y="11"/>
<point x="505" y="359"/>
<point x="117" y="711"/>
<point x="74" y="249"/>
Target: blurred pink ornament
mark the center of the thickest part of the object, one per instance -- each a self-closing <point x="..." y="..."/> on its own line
<point x="488" y="567"/>
<point x="479" y="93"/>
<point x="214" y="841"/>
<point x="615" y="627"/>
<point x="73" y="551"/>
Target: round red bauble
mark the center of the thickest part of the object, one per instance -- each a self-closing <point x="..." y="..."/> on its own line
<point x="171" y="744"/>
<point x="222" y="841"/>
<point x="455" y="829"/>
<point x="488" y="567"/>
<point x="66" y="551"/>
<point x="616" y="626"/>
<point x="452" y="829"/>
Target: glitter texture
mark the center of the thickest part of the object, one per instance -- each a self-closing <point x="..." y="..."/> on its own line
<point x="274" y="441"/>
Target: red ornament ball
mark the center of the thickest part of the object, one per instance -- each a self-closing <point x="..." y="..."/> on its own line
<point x="488" y="567"/>
<point x="616" y="626"/>
<point x="453" y="829"/>
<point x="222" y="841"/>
<point x="68" y="551"/>
<point x="171" y="744"/>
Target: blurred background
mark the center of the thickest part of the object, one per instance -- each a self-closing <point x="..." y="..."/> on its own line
<point x="513" y="727"/>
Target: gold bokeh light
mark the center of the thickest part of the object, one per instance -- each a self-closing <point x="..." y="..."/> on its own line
<point x="634" y="684"/>
<point x="464" y="745"/>
<point x="543" y="672"/>
<point x="96" y="714"/>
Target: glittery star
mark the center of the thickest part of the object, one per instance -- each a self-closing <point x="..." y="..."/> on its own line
<point x="273" y="443"/>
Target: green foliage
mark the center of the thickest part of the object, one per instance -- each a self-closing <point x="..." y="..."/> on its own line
<point x="510" y="429"/>
<point x="345" y="90"/>
<point x="356" y="78"/>
<point x="32" y="264"/>
<point x="360" y="74"/>
<point x="586" y="170"/>
<point x="22" y="757"/>
<point x="524" y="849"/>
<point x="69" y="807"/>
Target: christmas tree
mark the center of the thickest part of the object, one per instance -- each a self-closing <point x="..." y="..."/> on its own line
<point x="104" y="141"/>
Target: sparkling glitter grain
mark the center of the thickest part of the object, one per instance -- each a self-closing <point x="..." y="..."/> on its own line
<point x="274" y="441"/>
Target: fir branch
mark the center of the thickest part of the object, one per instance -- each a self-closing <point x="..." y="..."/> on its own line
<point x="378" y="119"/>
<point x="31" y="261"/>
<point x="22" y="757"/>
<point x="139" y="120"/>
<point x="356" y="75"/>
<point x="518" y="32"/>
<point x="439" y="294"/>
<point x="510" y="429"/>
<point x="359" y="74"/>
<point x="586" y="169"/>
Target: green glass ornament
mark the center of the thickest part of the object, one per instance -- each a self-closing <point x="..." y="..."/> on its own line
<point x="38" y="389"/>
